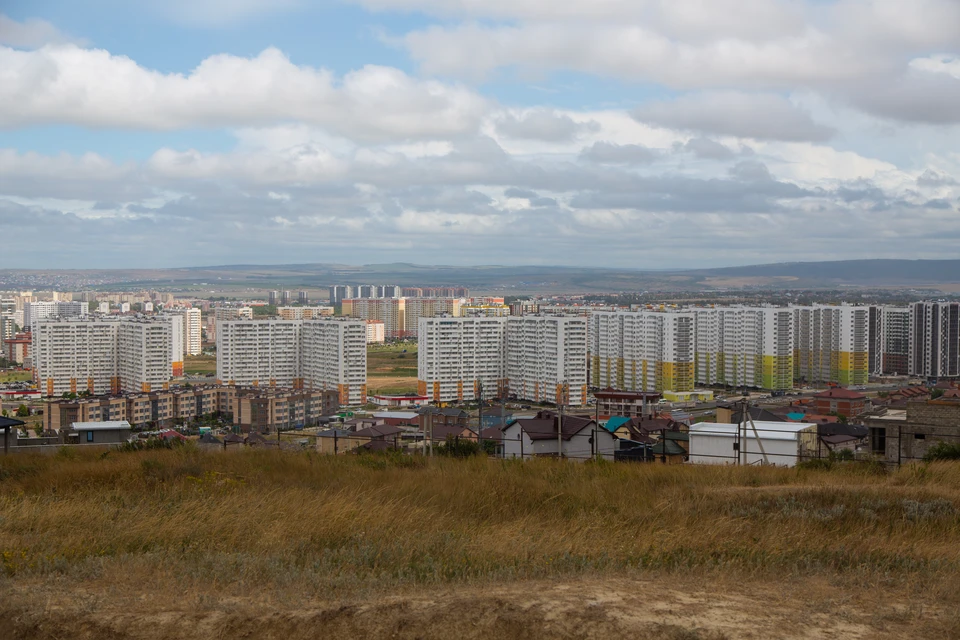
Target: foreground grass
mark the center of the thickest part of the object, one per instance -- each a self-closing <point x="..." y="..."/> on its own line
<point x="302" y="526"/>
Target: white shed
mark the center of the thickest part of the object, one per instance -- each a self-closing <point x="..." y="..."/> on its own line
<point x="779" y="443"/>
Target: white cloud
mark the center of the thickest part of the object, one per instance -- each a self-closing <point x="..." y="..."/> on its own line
<point x="67" y="84"/>
<point x="30" y="34"/>
<point x="942" y="63"/>
<point x="731" y="113"/>
<point x="542" y="124"/>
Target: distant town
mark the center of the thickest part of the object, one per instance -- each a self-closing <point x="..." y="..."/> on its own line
<point x="95" y="367"/>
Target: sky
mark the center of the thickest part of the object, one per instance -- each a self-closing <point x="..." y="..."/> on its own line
<point x="642" y="134"/>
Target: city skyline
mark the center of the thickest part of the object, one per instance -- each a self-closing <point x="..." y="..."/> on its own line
<point x="478" y="133"/>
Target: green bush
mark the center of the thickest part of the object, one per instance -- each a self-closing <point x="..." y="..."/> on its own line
<point x="943" y="451"/>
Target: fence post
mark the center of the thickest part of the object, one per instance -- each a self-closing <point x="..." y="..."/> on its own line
<point x="520" y="438"/>
<point x="335" y="443"/>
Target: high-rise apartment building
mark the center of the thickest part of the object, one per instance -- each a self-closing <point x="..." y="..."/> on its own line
<point x="192" y="329"/>
<point x="934" y="350"/>
<point x="832" y="344"/>
<point x="285" y="297"/>
<point x="232" y="313"/>
<point x="543" y="359"/>
<point x="889" y="340"/>
<point x="328" y="353"/>
<point x="303" y="313"/>
<point x="388" y="291"/>
<point x="303" y="297"/>
<point x="643" y="350"/>
<point x="546" y="358"/>
<point x="416" y="308"/>
<point x="273" y="298"/>
<point x="107" y="355"/>
<point x="390" y="311"/>
<point x="36" y="311"/>
<point x="340" y="292"/>
<point x="456" y="355"/>
<point x="334" y="357"/>
<point x="149" y="352"/>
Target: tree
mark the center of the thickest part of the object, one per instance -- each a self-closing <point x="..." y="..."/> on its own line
<point x="23" y="411"/>
<point x="936" y="393"/>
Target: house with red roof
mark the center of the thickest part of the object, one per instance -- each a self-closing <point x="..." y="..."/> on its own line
<point x="843" y="402"/>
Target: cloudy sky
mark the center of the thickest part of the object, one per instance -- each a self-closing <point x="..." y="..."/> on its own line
<point x="622" y="133"/>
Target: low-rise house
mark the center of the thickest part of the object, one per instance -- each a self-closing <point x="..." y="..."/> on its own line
<point x="630" y="404"/>
<point x="337" y="441"/>
<point x="381" y="437"/>
<point x="399" y="418"/>
<point x="9" y="432"/>
<point x="840" y="401"/>
<point x="110" y="432"/>
<point x="579" y="438"/>
<point x="906" y="435"/>
<point x="450" y="416"/>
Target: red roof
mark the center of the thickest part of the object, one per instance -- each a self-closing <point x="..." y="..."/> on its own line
<point x="839" y="393"/>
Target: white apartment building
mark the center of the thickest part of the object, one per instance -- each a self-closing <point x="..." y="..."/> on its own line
<point x="334" y="356"/>
<point x="149" y="352"/>
<point x="232" y="313"/>
<point x="303" y="313"/>
<point x="326" y="353"/>
<point x="192" y="329"/>
<point x="375" y="332"/>
<point x="472" y="310"/>
<point x="106" y="355"/>
<point x="832" y="344"/>
<point x="643" y="350"/>
<point x="389" y="311"/>
<point x="259" y="352"/>
<point x="36" y="311"/>
<point x="416" y="308"/>
<point x="456" y="355"/>
<point x="746" y="346"/>
<point x="546" y="358"/>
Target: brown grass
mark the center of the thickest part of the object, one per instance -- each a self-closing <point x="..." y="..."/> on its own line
<point x="293" y="529"/>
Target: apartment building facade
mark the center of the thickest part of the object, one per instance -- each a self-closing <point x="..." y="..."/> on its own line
<point x="303" y="313"/>
<point x="537" y="358"/>
<point x="33" y="312"/>
<point x="416" y="308"/>
<point x="322" y="354"/>
<point x="456" y="355"/>
<point x="832" y="344"/>
<point x="889" y="349"/>
<point x="107" y="355"/>
<point x="192" y="329"/>
<point x="546" y="358"/>
<point x="934" y="350"/>
<point x="390" y="311"/>
<point x="651" y="351"/>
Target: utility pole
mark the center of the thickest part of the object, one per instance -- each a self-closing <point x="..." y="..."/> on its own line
<point x="480" y="416"/>
<point x="560" y="420"/>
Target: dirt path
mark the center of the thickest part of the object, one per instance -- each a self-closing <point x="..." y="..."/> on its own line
<point x="589" y="609"/>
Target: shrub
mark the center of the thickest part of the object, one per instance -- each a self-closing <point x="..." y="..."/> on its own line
<point x="943" y="451"/>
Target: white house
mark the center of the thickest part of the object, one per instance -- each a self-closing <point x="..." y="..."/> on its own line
<point x="581" y="439"/>
<point x="779" y="443"/>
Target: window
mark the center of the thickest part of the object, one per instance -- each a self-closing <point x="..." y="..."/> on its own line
<point x="878" y="440"/>
<point x="89" y="436"/>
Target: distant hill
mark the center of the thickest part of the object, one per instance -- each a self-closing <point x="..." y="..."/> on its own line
<point x="929" y="274"/>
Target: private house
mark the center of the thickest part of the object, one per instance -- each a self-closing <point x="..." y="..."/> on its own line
<point x="900" y="436"/>
<point x="450" y="416"/>
<point x="579" y="438"/>
<point x="840" y="401"/>
<point x="630" y="404"/>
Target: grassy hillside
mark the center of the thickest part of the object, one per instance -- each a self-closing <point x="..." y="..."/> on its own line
<point x="166" y="531"/>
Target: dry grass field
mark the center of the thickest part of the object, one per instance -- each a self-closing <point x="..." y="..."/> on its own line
<point x="269" y="544"/>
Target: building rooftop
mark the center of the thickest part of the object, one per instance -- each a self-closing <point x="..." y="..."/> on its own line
<point x="767" y="430"/>
<point x="839" y="393"/>
<point x="100" y="426"/>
